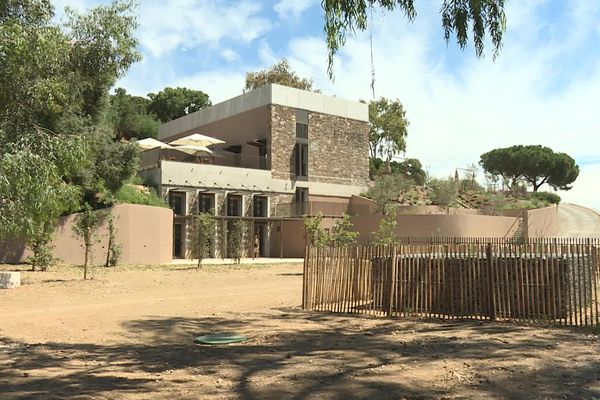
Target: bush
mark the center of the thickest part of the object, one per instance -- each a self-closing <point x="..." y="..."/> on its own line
<point x="342" y="234"/>
<point x="203" y="233"/>
<point x="115" y="250"/>
<point x="235" y="240"/>
<point x="444" y="192"/>
<point x="316" y="235"/>
<point x="546" y="197"/>
<point x="130" y="194"/>
<point x="386" y="232"/>
<point x="388" y="188"/>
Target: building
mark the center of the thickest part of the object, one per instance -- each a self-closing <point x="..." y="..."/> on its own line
<point x="287" y="153"/>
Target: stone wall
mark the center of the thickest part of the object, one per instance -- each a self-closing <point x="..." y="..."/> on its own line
<point x="283" y="141"/>
<point x="338" y="149"/>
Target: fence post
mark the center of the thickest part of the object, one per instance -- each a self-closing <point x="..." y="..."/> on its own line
<point x="491" y="282"/>
<point x="392" y="279"/>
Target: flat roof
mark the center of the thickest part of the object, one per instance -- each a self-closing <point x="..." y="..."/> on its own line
<point x="269" y="94"/>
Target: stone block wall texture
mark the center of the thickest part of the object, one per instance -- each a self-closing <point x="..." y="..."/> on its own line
<point x="283" y="141"/>
<point x="338" y="149"/>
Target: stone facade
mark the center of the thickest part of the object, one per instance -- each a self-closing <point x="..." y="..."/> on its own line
<point x="283" y="141"/>
<point x="338" y="149"/>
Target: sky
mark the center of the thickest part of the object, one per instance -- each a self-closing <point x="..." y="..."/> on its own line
<point x="544" y="88"/>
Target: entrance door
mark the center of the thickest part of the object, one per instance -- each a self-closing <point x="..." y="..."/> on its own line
<point x="260" y="230"/>
<point x="177" y="240"/>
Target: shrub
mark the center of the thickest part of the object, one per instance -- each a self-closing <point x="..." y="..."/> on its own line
<point x="115" y="250"/>
<point x="130" y="194"/>
<point x="386" y="232"/>
<point x="42" y="253"/>
<point x="546" y="197"/>
<point x="342" y="234"/>
<point x="444" y="192"/>
<point x="235" y="239"/>
<point x="316" y="235"/>
<point x="388" y="188"/>
<point x="203" y="233"/>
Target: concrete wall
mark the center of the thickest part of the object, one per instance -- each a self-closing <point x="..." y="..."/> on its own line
<point x="145" y="233"/>
<point x="439" y="226"/>
<point x="270" y="94"/>
<point x="237" y="129"/>
<point x="183" y="174"/>
<point x="543" y="222"/>
<point x="293" y="239"/>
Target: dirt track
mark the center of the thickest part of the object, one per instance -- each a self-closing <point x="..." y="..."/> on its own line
<point x="128" y="335"/>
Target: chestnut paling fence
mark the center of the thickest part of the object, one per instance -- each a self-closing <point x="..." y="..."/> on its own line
<point x="553" y="281"/>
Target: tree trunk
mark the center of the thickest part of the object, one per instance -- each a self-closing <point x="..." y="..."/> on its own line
<point x="85" y="262"/>
<point x="108" y="250"/>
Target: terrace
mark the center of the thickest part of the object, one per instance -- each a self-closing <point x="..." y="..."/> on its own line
<point x="151" y="158"/>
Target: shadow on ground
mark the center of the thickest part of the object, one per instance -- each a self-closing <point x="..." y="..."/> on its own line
<point x="297" y="355"/>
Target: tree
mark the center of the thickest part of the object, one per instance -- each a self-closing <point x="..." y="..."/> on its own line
<point x="387" y="189"/>
<point x="172" y="103"/>
<point x="341" y="233"/>
<point x="113" y="249"/>
<point x="55" y="82"/>
<point x="33" y="194"/>
<point x="129" y="116"/>
<point x="235" y="240"/>
<point x="483" y="17"/>
<point x="388" y="128"/>
<point x="85" y="227"/>
<point x="386" y="231"/>
<point x="444" y="192"/>
<point x="316" y="235"/>
<point x="537" y="165"/>
<point x="410" y="168"/>
<point x="203" y="234"/>
<point x="281" y="74"/>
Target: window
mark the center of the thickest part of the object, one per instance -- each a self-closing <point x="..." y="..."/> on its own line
<point x="301" y="199"/>
<point x="206" y="203"/>
<point x="302" y="116"/>
<point x="301" y="158"/>
<point x="301" y="130"/>
<point x="177" y="202"/>
<point x="260" y="206"/>
<point x="177" y="242"/>
<point x="234" y="206"/>
<point x="302" y="124"/>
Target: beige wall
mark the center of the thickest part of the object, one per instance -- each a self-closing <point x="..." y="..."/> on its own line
<point x="543" y="222"/>
<point x="439" y="226"/>
<point x="293" y="239"/>
<point x="235" y="130"/>
<point x="145" y="233"/>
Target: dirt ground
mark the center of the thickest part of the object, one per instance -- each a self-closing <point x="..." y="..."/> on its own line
<point x="128" y="334"/>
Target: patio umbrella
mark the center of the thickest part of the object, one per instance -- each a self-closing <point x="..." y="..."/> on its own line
<point x="149" y="144"/>
<point x="193" y="150"/>
<point x="196" y="139"/>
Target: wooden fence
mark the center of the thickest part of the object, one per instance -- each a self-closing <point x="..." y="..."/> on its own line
<point x="553" y="281"/>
